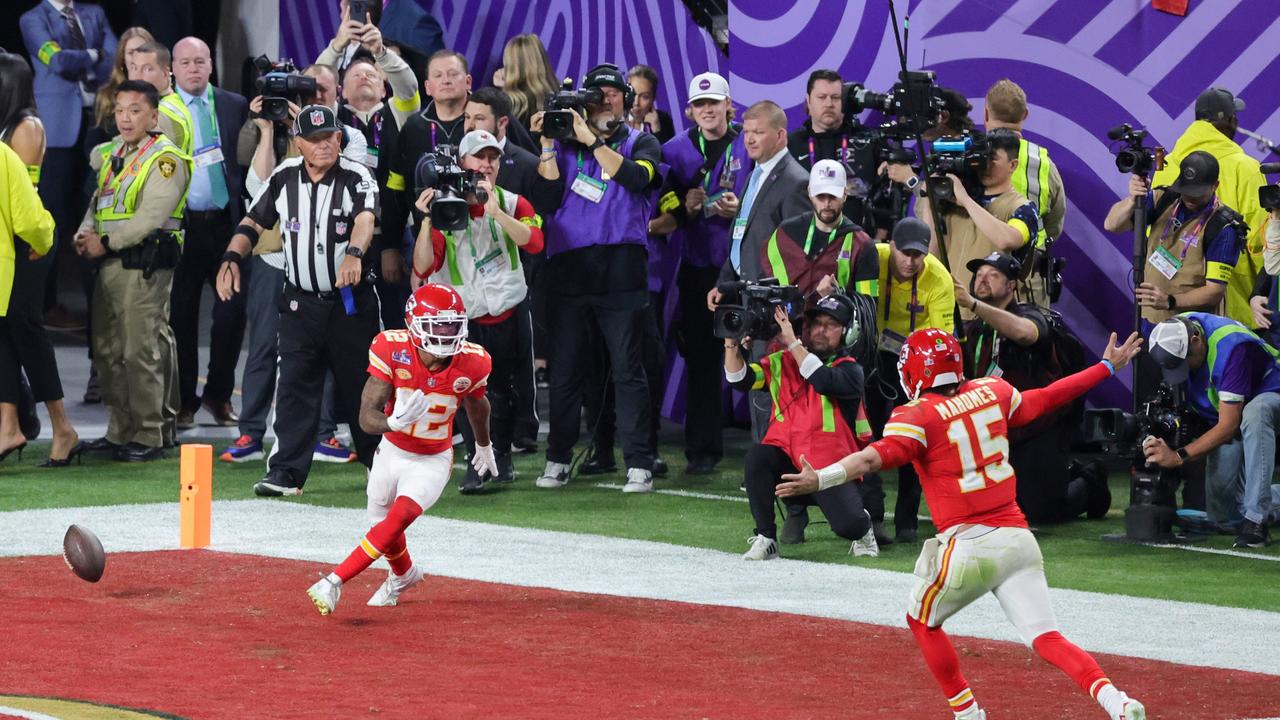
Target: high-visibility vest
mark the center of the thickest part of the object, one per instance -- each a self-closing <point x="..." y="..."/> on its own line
<point x="1031" y="180"/>
<point x="125" y="185"/>
<point x="172" y="107"/>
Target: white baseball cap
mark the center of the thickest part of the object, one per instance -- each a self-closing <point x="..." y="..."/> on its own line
<point x="477" y="140"/>
<point x="827" y="178"/>
<point x="1169" y="344"/>
<point x="708" y="85"/>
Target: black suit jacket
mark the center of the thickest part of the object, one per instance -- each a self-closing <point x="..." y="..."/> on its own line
<point x="519" y="174"/>
<point x="233" y="112"/>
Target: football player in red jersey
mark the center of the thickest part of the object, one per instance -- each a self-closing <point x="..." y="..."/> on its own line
<point x="955" y="433"/>
<point x="417" y="378"/>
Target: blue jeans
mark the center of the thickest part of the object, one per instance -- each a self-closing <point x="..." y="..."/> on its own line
<point x="1238" y="473"/>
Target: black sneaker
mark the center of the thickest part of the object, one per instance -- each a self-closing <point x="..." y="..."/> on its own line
<point x="906" y="535"/>
<point x="659" y="467"/>
<point x="1253" y="535"/>
<point x="882" y="537"/>
<point x="793" y="527"/>
<point x="598" y="464"/>
<point x="506" y="472"/>
<point x="276" y="483"/>
<point x="524" y="445"/>
<point x="472" y="483"/>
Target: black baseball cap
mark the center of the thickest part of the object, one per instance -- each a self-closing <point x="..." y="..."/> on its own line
<point x="1197" y="174"/>
<point x="911" y="234"/>
<point x="1217" y="104"/>
<point x="837" y="307"/>
<point x="1003" y="262"/>
<point x="316" y="119"/>
<point x="606" y="75"/>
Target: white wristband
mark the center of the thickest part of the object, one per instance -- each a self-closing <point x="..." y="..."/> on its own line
<point x="794" y="344"/>
<point x="831" y="476"/>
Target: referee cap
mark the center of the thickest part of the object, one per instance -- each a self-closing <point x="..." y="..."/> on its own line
<point x="316" y="119"/>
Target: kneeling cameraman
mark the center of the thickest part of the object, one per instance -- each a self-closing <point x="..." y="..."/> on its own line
<point x="1233" y="379"/>
<point x="816" y="390"/>
<point x="1016" y="341"/>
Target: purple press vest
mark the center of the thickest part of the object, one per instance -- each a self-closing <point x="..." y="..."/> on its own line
<point x="620" y="218"/>
<point x="705" y="239"/>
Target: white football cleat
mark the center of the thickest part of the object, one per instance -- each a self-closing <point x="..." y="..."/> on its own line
<point x="1131" y="709"/>
<point x="638" y="481"/>
<point x="973" y="713"/>
<point x="762" y="548"/>
<point x="324" y="595"/>
<point x="554" y="475"/>
<point x="388" y="593"/>
<point x="866" y="546"/>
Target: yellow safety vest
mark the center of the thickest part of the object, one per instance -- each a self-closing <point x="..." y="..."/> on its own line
<point x="1031" y="180"/>
<point x="125" y="185"/>
<point x="173" y="108"/>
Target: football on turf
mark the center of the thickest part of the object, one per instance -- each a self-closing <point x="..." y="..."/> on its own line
<point x="83" y="552"/>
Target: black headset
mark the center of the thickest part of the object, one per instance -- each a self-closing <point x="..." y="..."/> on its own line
<point x="860" y="328"/>
<point x="628" y="92"/>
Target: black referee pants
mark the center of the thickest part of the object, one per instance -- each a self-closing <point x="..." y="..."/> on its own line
<point x="317" y="335"/>
<point x="842" y="505"/>
<point x="207" y="236"/>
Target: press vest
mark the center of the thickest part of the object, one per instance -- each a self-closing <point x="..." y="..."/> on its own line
<point x="483" y="264"/>
<point x="1031" y="180"/>
<point x="805" y="422"/>
<point x="127" y="184"/>
<point x="788" y="262"/>
<point x="704" y="239"/>
<point x="1222" y="336"/>
<point x="172" y="107"/>
<point x="1185" y="243"/>
<point x="620" y="218"/>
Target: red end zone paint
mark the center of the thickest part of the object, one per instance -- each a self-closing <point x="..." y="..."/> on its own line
<point x="212" y="635"/>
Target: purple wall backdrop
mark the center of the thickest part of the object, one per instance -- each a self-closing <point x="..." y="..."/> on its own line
<point x="1086" y="65"/>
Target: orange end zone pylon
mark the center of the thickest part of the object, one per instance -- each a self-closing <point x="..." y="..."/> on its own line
<point x="196" y="495"/>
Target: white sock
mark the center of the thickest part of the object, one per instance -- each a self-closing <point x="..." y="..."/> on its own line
<point x="1111" y="699"/>
<point x="333" y="578"/>
<point x="973" y="712"/>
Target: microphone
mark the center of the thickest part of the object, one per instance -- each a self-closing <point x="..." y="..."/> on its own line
<point x="1119" y="131"/>
<point x="1270" y="168"/>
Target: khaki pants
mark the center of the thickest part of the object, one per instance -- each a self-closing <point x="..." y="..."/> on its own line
<point x="135" y="353"/>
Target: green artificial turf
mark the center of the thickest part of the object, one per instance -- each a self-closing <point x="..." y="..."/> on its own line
<point x="1076" y="556"/>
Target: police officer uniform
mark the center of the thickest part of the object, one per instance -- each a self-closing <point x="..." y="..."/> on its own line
<point x="137" y="210"/>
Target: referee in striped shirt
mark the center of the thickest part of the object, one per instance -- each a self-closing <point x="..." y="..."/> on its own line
<point x="326" y="206"/>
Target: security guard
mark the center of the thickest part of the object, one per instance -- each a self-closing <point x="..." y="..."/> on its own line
<point x="132" y="227"/>
<point x="153" y="63"/>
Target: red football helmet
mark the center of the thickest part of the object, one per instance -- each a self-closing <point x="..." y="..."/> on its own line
<point x="436" y="319"/>
<point x="929" y="358"/>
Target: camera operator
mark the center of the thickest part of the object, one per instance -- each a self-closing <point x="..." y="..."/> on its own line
<point x="1233" y="380"/>
<point x="805" y="380"/>
<point x="916" y="292"/>
<point x="597" y="269"/>
<point x="1213" y="131"/>
<point x="1036" y="178"/>
<point x="1016" y="341"/>
<point x="1193" y="240"/>
<point x="1000" y="219"/>
<point x="830" y="134"/>
<point x="443" y="120"/>
<point x="484" y="266"/>
<point x="361" y="37"/>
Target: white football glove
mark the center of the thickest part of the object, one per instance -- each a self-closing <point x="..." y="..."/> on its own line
<point x="484" y="461"/>
<point x="408" y="412"/>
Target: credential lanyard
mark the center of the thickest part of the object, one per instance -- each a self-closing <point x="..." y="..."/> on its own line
<point x="1187" y="240"/>
<point x="132" y="166"/>
<point x="844" y="150"/>
<point x="808" y="238"/>
<point x="702" y="147"/>
<point x="911" y="309"/>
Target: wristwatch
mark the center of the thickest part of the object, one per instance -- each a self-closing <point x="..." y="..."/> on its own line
<point x="1183" y="454"/>
<point x="1173" y="301"/>
<point x="912" y="182"/>
<point x="354" y="251"/>
<point x="597" y="144"/>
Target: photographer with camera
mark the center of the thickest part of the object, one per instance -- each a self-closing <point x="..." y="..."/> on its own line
<point x="1030" y="348"/>
<point x="483" y="264"/>
<point x="327" y="206"/>
<point x="443" y="120"/>
<point x="597" y="264"/>
<point x="358" y="36"/>
<point x="1193" y="240"/>
<point x="1232" y="380"/>
<point x="916" y="292"/>
<point x="1239" y="175"/>
<point x="816" y="396"/>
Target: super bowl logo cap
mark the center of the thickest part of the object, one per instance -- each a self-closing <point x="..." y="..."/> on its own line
<point x="827" y="178"/>
<point x="708" y="85"/>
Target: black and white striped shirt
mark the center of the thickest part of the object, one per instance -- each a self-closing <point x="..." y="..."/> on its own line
<point x="316" y="218"/>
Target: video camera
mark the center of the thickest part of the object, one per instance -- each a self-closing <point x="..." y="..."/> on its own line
<point x="965" y="157"/>
<point x="557" y="121"/>
<point x="441" y="171"/>
<point x="749" y="307"/>
<point x="1152" y="490"/>
<point x="1135" y="157"/>
<point x="280" y="84"/>
<point x="1269" y="195"/>
<point x="913" y="101"/>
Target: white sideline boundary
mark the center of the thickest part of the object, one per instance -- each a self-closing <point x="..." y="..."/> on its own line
<point x="1180" y="632"/>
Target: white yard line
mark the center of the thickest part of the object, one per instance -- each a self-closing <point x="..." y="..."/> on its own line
<point x="1181" y="632"/>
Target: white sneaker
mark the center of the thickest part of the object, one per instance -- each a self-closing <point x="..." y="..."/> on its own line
<point x="554" y="475"/>
<point x="325" y="595"/>
<point x="866" y="545"/>
<point x="638" y="481"/>
<point x="762" y="548"/>
<point x="389" y="592"/>
<point x="1131" y="709"/>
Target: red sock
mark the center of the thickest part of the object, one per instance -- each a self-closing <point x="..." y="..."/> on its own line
<point x="397" y="556"/>
<point x="1069" y="658"/>
<point x="379" y="538"/>
<point x="940" y="655"/>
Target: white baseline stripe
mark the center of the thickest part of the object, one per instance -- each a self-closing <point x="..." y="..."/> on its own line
<point x="1189" y="633"/>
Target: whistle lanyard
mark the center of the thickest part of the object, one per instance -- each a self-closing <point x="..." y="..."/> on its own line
<point x="133" y="167"/>
<point x="844" y="150"/>
<point x="911" y="309"/>
<point x="808" y="239"/>
<point x="706" y="181"/>
<point x="1187" y="240"/>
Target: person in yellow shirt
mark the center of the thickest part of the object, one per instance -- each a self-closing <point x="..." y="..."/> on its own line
<point x="1239" y="178"/>
<point x="916" y="292"/>
<point x="21" y="214"/>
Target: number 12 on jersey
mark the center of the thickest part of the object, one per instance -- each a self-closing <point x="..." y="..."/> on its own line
<point x="990" y="462"/>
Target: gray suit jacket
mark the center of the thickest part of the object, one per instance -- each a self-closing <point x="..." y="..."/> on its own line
<point x="783" y="194"/>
